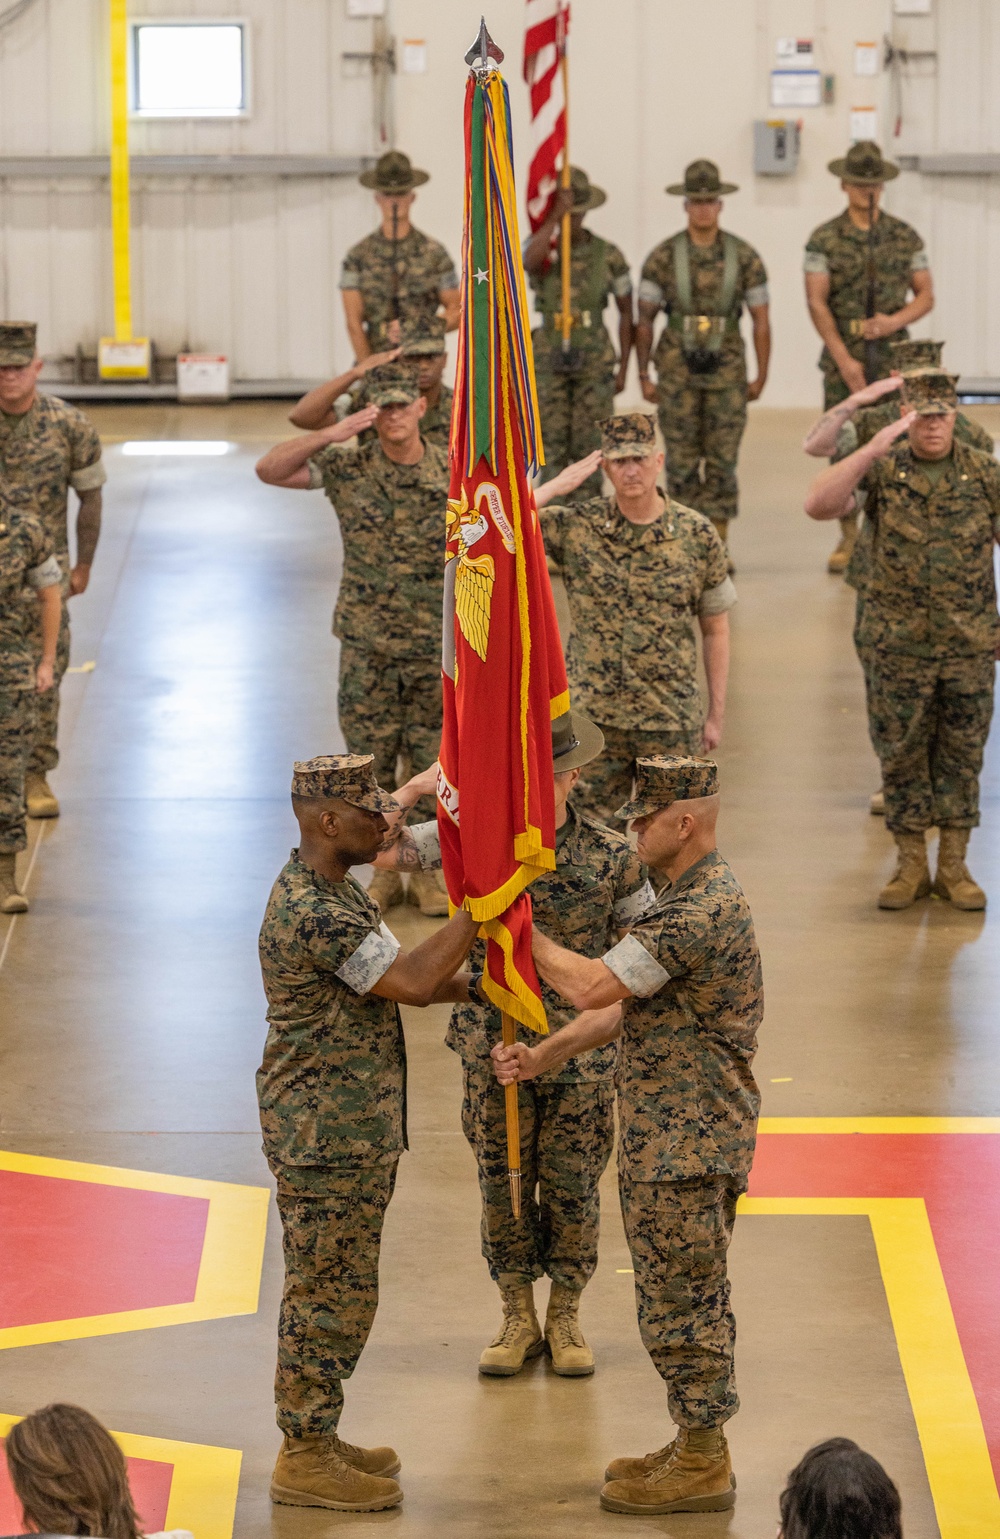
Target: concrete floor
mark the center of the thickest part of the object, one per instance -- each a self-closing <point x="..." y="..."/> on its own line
<point x="133" y="1013"/>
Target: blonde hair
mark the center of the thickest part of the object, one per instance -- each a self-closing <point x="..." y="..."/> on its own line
<point x="70" y="1475"/>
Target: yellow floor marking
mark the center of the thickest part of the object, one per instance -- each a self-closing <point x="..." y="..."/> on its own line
<point x="204" y="1483"/>
<point x="949" y="1425"/>
<point x="879" y="1125"/>
<point x="83" y="668"/>
<point x="231" y="1258"/>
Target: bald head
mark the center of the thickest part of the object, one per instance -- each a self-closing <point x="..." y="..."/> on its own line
<point x="675" y="837"/>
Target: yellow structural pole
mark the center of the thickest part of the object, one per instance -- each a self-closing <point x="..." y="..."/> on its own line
<point x="121" y="219"/>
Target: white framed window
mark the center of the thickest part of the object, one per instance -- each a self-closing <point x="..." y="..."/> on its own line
<point x="190" y="69"/>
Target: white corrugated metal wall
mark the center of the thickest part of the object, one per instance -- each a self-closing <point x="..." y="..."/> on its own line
<point x="249" y="265"/>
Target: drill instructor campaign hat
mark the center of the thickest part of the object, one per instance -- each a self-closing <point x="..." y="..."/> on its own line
<point x="576" y="740"/>
<point x="666" y="779"/>
<point x="344" y="777"/>
<point x="929" y="392"/>
<point x="864" y="166"/>
<point x="17" y="343"/>
<point x="701" y="183"/>
<point x="585" y="194"/>
<point x="628" y="435"/>
<point x="393" y="384"/>
<point x="393" y="173"/>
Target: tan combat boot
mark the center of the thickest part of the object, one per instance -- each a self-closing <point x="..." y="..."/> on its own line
<point x="696" y="1476"/>
<point x="370" y="1461"/>
<point x="570" y="1354"/>
<point x="952" y="879"/>
<point x="40" y="801"/>
<point x="386" y="889"/>
<point x="912" y="878"/>
<point x="845" y="548"/>
<point x="428" y="892"/>
<point x="877" y="805"/>
<point x="519" y="1337"/>
<point x="311" y="1473"/>
<point x="12" y="899"/>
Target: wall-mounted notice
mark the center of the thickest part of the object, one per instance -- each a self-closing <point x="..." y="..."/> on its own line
<point x="414" y="60"/>
<point x="866" y="58"/>
<point x="795" y="51"/>
<point x="863" y="124"/>
<point x="795" y="88"/>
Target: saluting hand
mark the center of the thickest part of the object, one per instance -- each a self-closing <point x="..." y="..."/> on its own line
<point x="875" y="391"/>
<point x="340" y="432"/>
<point x="375" y="359"/>
<point x="567" y="480"/>
<point x="886" y="437"/>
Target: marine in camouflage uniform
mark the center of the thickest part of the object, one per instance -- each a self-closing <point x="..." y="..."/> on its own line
<point x="332" y="1092"/>
<point x="928" y="624"/>
<point x="45" y="450"/>
<point x="27" y="566"/>
<point x="635" y="592"/>
<point x="689" y="978"/>
<point x="576" y="388"/>
<point x="701" y="386"/>
<point x="836" y="266"/>
<point x="426" y="347"/>
<point x="597" y="890"/>
<point x="400" y="283"/>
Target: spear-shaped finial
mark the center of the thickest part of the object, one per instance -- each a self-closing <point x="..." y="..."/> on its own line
<point x="484" y="55"/>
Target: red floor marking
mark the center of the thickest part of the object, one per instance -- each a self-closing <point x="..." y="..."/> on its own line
<point x="74" y="1248"/>
<point x="149" y="1479"/>
<point x="958" y="1176"/>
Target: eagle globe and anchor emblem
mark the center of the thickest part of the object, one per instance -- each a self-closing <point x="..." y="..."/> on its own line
<point x="475" y="576"/>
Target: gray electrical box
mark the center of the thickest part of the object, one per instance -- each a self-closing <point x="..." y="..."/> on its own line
<point x="775" y="146"/>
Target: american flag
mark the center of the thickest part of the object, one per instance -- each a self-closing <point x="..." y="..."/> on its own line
<point x="544" y="46"/>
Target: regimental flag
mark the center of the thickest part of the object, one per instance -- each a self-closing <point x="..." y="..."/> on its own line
<point x="504" y="675"/>
<point x="544" y="49"/>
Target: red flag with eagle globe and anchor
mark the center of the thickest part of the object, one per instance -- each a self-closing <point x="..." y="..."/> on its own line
<point x="503" y="671"/>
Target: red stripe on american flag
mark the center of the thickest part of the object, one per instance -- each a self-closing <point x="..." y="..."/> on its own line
<point x="545" y="35"/>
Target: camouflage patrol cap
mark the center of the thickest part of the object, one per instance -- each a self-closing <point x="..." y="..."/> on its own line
<point x="666" y="779"/>
<point x="864" y="166"/>
<point x="393" y="384"/>
<point x="585" y="194"/>
<point x="628" y="435"/>
<point x="701" y="184"/>
<point x="17" y="343"/>
<point x="929" y="392"/>
<point x="915" y="353"/>
<point x="425" y="340"/>
<point x="345" y="777"/>
<point x="393" y="174"/>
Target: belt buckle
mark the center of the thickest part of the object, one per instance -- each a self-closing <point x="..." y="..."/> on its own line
<point x="856" y="328"/>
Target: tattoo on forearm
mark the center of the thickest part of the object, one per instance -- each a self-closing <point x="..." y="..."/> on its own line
<point x="88" y="526"/>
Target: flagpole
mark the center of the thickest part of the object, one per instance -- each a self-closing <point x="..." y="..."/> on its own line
<point x="513" y="1125"/>
<point x="566" y="231"/>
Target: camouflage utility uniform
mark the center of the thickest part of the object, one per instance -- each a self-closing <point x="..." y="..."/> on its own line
<point x="572" y="403"/>
<point x="928" y="623"/>
<point x="331" y="1089"/>
<point x="635" y="592"/>
<point x="43" y="453"/>
<point x="422" y="269"/>
<point x="27" y="564"/>
<point x="702" y="416"/>
<point x="687" y="1110"/>
<point x="567" y="1114"/>
<point x="388" y="614"/>
<point x="840" y="249"/>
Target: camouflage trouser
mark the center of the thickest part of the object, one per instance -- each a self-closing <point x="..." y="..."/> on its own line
<point x="567" y="1132"/>
<point x="391" y="707"/>
<point x="44" y="753"/>
<point x="571" y="406"/>
<point x="331" y="1219"/>
<point x="17" y="730"/>
<point x="678" y="1233"/>
<point x="836" y="388"/>
<point x="929" y="719"/>
<point x="701" y="434"/>
<point x="607" y="781"/>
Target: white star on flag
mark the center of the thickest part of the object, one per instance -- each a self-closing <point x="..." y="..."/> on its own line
<point x="481" y="276"/>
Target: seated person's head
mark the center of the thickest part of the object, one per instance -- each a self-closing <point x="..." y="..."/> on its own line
<point x="837" y="1491"/>
<point x="69" y="1475"/>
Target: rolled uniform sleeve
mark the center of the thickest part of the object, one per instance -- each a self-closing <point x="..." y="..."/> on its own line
<point x="920" y="261"/>
<point x="757" y="296"/>
<point x="636" y="968"/>
<point x="633" y="891"/>
<point x="370" y="961"/>
<point x="350" y="275"/>
<point x="650" y="292"/>
<point x="815" y="261"/>
<point x="46" y="575"/>
<point x="428" y="842"/>
<point x="717" y="600"/>
<point x="619" y="276"/>
<point x="659" y="949"/>
<point x="86" y="470"/>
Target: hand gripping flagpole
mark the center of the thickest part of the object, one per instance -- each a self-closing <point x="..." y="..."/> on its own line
<point x="483" y="58"/>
